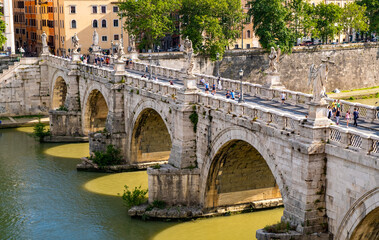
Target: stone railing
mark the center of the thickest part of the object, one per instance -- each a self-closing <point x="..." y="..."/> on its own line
<point x="254" y="112"/>
<point x="93" y="70"/>
<point x="58" y="61"/>
<point x="354" y="140"/>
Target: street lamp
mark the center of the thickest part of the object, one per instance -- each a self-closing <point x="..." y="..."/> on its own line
<point x="240" y="100"/>
<point x="218" y="64"/>
<point x="158" y="47"/>
<point x="150" y="70"/>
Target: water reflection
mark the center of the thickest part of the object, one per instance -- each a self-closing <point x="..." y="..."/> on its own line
<point x="72" y="150"/>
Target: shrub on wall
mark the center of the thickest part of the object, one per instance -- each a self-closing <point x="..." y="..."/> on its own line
<point x="39" y="131"/>
<point x="135" y="197"/>
<point x="112" y="156"/>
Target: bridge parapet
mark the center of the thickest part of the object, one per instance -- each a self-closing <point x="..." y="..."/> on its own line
<point x="354" y="140"/>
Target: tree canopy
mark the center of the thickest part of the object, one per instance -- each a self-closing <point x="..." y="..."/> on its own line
<point x="211" y="25"/>
<point x="3" y="39"/>
<point x="372" y="12"/>
<point x="148" y="19"/>
<point x="354" y="17"/>
<point x="327" y="18"/>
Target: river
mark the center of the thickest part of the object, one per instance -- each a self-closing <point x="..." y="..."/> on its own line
<point x="42" y="196"/>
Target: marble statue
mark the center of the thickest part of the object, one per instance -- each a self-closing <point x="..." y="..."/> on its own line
<point x="132" y="42"/>
<point x="274" y="60"/>
<point x="44" y="39"/>
<point x="188" y="54"/>
<point x="95" y="38"/>
<point x="318" y="76"/>
<point x="75" y="42"/>
<point x="120" y="50"/>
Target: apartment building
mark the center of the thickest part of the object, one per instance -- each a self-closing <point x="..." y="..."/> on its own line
<point x="84" y="17"/>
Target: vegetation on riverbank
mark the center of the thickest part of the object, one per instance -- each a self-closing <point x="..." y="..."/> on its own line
<point x="280" y="227"/>
<point x="135" y="197"/>
<point x="40" y="131"/>
<point x="112" y="156"/>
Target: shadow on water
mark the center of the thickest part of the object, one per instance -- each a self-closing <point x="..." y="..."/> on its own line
<point x="42" y="196"/>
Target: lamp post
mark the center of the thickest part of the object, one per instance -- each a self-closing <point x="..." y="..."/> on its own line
<point x="218" y="64"/>
<point x="240" y="100"/>
<point x="158" y="47"/>
<point x="150" y="70"/>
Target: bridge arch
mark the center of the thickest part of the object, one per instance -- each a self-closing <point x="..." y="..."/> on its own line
<point x="59" y="90"/>
<point x="361" y="220"/>
<point x="236" y="154"/>
<point x="95" y="112"/>
<point x="150" y="135"/>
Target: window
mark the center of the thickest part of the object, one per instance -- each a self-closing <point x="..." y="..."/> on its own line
<point x="73" y="24"/>
<point x="248" y="34"/>
<point x="103" y="9"/>
<point x="94" y="24"/>
<point x="115" y="23"/>
<point x="104" y="38"/>
<point x="94" y="9"/>
<point x="116" y="37"/>
<point x="72" y="9"/>
<point x="115" y="9"/>
<point x="247" y="45"/>
<point x="103" y="23"/>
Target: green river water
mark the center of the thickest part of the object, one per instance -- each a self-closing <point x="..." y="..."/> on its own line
<point x="42" y="196"/>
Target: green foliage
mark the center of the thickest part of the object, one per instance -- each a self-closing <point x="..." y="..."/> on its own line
<point x="327" y="19"/>
<point x="148" y="20"/>
<point x="354" y="17"/>
<point x="194" y="117"/>
<point x="280" y="227"/>
<point x="372" y="12"/>
<point x="211" y="25"/>
<point x="112" y="156"/>
<point x="62" y="108"/>
<point x="271" y="24"/>
<point x="3" y="39"/>
<point x="156" y="166"/>
<point x="39" y="131"/>
<point x="134" y="198"/>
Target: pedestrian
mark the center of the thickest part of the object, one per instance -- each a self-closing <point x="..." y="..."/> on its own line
<point x="213" y="89"/>
<point x="347" y="116"/>
<point x="356" y="116"/>
<point x="156" y="79"/>
<point x="207" y="87"/>
<point x="232" y="95"/>
<point x="338" y="114"/>
<point x="219" y="83"/>
<point x="283" y="97"/>
<point x="227" y="94"/>
<point x="334" y="108"/>
<point x="338" y="104"/>
<point x="171" y="82"/>
<point x="202" y="81"/>
<point x="329" y="112"/>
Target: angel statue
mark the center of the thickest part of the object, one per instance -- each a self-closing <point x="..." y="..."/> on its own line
<point x="75" y="42"/>
<point x="318" y="76"/>
<point x="274" y="59"/>
<point x="188" y="52"/>
<point x="44" y="39"/>
<point x="132" y="43"/>
<point x="120" y="50"/>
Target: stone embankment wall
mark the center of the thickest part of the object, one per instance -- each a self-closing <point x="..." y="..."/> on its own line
<point x="356" y="65"/>
<point x="23" y="91"/>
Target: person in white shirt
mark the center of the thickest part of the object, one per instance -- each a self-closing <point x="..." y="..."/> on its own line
<point x="283" y="97"/>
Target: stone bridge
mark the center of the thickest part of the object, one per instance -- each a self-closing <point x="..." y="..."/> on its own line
<point x="223" y="155"/>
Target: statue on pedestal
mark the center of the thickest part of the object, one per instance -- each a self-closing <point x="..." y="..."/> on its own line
<point x="95" y="38"/>
<point x="120" y="50"/>
<point x="45" y="48"/>
<point x="132" y="43"/>
<point x="188" y="53"/>
<point x="75" y="43"/>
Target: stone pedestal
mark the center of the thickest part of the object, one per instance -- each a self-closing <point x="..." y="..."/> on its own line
<point x="119" y="67"/>
<point x="317" y="114"/>
<point x="45" y="50"/>
<point x="273" y="81"/>
<point x="189" y="82"/>
<point x="75" y="57"/>
<point x="133" y="56"/>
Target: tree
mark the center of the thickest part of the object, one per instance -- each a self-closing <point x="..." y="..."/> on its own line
<point x="301" y="18"/>
<point x="372" y="12"/>
<point x="3" y="39"/>
<point x="354" y="17"/>
<point x="272" y="24"/>
<point x="148" y="19"/>
<point x="211" y="25"/>
<point x="327" y="19"/>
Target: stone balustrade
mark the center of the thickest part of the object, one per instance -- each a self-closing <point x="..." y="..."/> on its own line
<point x="366" y="112"/>
<point x="354" y="140"/>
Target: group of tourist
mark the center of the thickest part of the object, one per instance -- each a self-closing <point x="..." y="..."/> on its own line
<point x="334" y="111"/>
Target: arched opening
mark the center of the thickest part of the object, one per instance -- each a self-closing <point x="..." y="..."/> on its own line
<point x="59" y="93"/>
<point x="151" y="141"/>
<point x="239" y="175"/>
<point x="368" y="228"/>
<point x="96" y="112"/>
<point x="94" y="24"/>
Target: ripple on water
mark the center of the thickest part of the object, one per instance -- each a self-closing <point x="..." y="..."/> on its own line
<point x="241" y="226"/>
<point x="113" y="184"/>
<point x="72" y="150"/>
